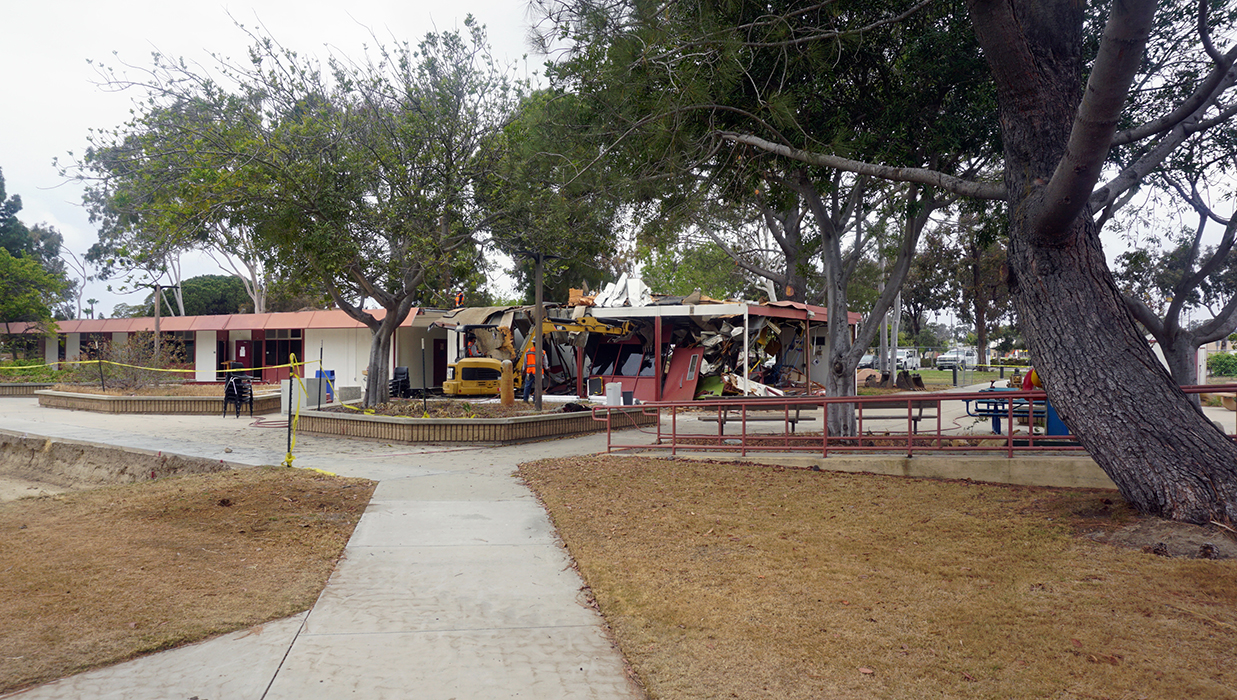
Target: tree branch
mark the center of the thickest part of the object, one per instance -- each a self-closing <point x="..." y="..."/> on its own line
<point x="1121" y="49"/>
<point x="1219" y="327"/>
<point x="738" y="260"/>
<point x="949" y="183"/>
<point x="1144" y="315"/>
<point x="1131" y="175"/>
<point x="1219" y="80"/>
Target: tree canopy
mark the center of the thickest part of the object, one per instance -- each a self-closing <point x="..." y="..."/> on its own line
<point x="1143" y="110"/>
<point x="362" y="174"/>
<point x="39" y="244"/>
<point x="678" y="90"/>
<point x="27" y="291"/>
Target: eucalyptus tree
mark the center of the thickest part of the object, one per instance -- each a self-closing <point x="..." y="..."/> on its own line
<point x="931" y="285"/>
<point x="677" y="79"/>
<point x="979" y="265"/>
<point x="1159" y="285"/>
<point x="1056" y="138"/>
<point x="545" y="199"/>
<point x="43" y="245"/>
<point x="362" y="174"/>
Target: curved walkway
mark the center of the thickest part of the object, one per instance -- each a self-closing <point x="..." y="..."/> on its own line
<point x="454" y="584"/>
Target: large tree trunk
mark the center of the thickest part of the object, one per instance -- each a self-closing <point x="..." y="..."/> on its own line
<point x="840" y="381"/>
<point x="981" y="330"/>
<point x="378" y="384"/>
<point x="1181" y="354"/>
<point x="1100" y="374"/>
<point x="378" y="373"/>
<point x="378" y="377"/>
<point x="1182" y="358"/>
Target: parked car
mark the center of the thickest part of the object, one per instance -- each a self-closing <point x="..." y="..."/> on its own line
<point x="961" y="358"/>
<point x="868" y="362"/>
<point x="908" y="359"/>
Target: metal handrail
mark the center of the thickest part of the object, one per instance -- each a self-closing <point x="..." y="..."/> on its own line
<point x="1017" y="404"/>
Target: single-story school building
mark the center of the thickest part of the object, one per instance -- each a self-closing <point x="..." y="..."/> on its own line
<point x="261" y="342"/>
<point x="703" y="345"/>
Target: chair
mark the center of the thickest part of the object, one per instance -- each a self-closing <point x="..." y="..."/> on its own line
<point x="237" y="390"/>
<point x="399" y="386"/>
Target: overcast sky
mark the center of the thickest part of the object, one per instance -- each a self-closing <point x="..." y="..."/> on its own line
<point x="48" y="99"/>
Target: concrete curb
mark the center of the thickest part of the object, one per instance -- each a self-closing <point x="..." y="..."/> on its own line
<point x="1023" y="470"/>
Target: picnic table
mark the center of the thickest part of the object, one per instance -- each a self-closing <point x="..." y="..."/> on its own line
<point x="790" y="414"/>
<point x="1002" y="407"/>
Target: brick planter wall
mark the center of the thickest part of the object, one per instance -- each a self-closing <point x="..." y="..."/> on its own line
<point x="164" y="405"/>
<point x="471" y="430"/>
<point x="21" y="388"/>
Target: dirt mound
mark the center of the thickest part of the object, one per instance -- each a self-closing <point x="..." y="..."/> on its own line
<point x="1171" y="539"/>
<point x="32" y="464"/>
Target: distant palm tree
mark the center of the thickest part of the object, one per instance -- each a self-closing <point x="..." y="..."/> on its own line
<point x="90" y="309"/>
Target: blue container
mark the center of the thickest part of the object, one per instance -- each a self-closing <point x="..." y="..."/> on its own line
<point x="1055" y="425"/>
<point x="330" y="382"/>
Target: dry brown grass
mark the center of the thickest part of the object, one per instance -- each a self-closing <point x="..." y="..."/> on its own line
<point x="97" y="577"/>
<point x="727" y="580"/>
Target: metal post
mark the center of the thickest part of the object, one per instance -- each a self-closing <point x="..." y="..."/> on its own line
<point x="158" y="304"/>
<point x="657" y="359"/>
<point x="425" y="391"/>
<point x="537" y="322"/>
<point x="291" y="408"/>
<point x="323" y="378"/>
<point x="747" y="334"/>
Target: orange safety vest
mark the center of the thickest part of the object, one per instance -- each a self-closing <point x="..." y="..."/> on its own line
<point x="530" y="361"/>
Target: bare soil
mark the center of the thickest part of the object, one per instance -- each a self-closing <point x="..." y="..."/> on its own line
<point x="726" y="580"/>
<point x="156" y="390"/>
<point x="100" y="576"/>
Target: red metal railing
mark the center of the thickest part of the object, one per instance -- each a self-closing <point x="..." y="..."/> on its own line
<point x="884" y="431"/>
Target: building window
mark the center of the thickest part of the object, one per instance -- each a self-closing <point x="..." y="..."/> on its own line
<point x="186" y="343"/>
<point x="280" y="344"/>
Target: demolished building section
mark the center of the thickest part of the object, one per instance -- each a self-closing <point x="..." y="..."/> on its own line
<point x="670" y="348"/>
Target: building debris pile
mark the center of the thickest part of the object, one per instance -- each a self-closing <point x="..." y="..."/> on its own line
<point x="728" y="348"/>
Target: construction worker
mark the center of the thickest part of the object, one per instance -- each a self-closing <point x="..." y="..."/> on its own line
<point x="530" y="370"/>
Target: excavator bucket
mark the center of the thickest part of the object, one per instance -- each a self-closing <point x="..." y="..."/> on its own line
<point x="907" y="382"/>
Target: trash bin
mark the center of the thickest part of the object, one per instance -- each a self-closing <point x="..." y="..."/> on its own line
<point x="329" y="374"/>
<point x="614" y="394"/>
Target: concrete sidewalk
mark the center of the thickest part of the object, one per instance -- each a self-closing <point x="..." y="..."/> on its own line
<point x="454" y="584"/>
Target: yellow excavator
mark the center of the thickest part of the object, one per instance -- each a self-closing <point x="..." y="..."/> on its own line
<point x="479" y="374"/>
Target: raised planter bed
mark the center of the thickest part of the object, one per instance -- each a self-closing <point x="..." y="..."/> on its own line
<point x="22" y="388"/>
<point x="470" y="430"/>
<point x="164" y="405"/>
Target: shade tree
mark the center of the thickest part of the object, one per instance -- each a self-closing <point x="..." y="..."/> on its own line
<point x="1075" y="97"/>
<point x="677" y="82"/>
<point x="361" y="174"/>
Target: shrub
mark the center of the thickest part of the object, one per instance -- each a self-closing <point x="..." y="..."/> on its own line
<point x="1222" y="364"/>
<point x="30" y="371"/>
<point x="136" y="362"/>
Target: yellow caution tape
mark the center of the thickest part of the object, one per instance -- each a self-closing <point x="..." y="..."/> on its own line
<point x="152" y="369"/>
